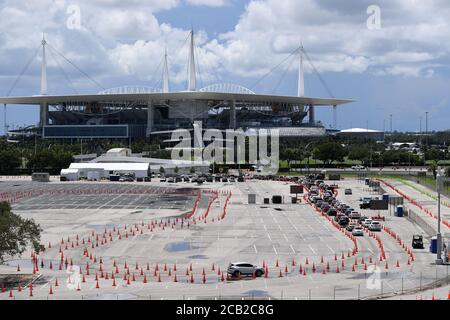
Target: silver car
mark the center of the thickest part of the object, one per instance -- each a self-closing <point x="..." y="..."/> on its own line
<point x="358" y="232"/>
<point x="244" y="268"/>
<point x="375" y="226"/>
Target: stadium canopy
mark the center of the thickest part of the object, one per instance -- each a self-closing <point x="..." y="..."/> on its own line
<point x="188" y="95"/>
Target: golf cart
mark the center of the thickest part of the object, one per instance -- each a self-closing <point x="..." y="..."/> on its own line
<point x="417" y="242"/>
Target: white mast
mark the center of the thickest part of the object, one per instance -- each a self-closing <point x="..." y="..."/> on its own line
<point x="43" y="68"/>
<point x="165" y="74"/>
<point x="192" y="81"/>
<point x="301" y="74"/>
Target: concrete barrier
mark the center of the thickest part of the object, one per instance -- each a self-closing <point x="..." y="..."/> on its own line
<point x="415" y="217"/>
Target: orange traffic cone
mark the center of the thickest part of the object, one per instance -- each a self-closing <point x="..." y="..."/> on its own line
<point x="280" y="275"/>
<point x="51" y="290"/>
<point x="398" y="264"/>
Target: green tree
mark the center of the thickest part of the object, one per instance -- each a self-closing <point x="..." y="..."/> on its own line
<point x="162" y="170"/>
<point x="49" y="159"/>
<point x="176" y="170"/>
<point x="9" y="160"/>
<point x="433" y="168"/>
<point x="359" y="153"/>
<point x="16" y="233"/>
<point x="329" y="152"/>
<point x="291" y="155"/>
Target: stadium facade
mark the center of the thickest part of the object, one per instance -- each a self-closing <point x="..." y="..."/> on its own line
<point x="138" y="112"/>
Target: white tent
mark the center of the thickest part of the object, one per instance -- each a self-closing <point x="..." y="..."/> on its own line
<point x="140" y="170"/>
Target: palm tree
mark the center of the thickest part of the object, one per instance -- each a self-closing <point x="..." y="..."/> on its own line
<point x="433" y="168"/>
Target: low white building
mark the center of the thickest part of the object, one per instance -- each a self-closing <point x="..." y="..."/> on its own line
<point x="118" y="152"/>
<point x="362" y="134"/>
<point x="140" y="170"/>
<point x="121" y="161"/>
<point x="70" y="174"/>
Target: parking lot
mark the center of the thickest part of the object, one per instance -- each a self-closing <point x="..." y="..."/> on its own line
<point x="174" y="241"/>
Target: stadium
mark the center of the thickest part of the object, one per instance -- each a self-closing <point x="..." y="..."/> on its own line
<point x="144" y="112"/>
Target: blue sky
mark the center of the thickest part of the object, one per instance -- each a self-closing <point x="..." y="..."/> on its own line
<point x="399" y="66"/>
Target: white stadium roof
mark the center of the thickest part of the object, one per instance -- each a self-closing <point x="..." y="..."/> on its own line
<point x="360" y="130"/>
<point x="193" y="95"/>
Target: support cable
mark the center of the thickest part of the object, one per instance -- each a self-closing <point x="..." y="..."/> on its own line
<point x="273" y="69"/>
<point x="76" y="67"/>
<point x="23" y="72"/>
<point x="64" y="72"/>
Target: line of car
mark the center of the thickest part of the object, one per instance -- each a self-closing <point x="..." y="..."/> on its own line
<point x="323" y="197"/>
<point x="201" y="179"/>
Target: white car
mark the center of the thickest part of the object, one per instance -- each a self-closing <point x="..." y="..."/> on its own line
<point x="357" y="232"/>
<point x="367" y="222"/>
<point x="358" y="167"/>
<point x="375" y="226"/>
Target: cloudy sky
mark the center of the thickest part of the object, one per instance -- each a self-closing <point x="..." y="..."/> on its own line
<point x="393" y="58"/>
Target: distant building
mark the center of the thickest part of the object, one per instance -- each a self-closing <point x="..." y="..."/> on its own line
<point x="121" y="161"/>
<point x="362" y="134"/>
<point x="406" y="146"/>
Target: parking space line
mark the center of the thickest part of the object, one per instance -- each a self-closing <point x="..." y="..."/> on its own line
<point x="331" y="249"/>
<point x="313" y="251"/>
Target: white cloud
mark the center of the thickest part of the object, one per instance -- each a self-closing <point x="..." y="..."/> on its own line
<point x="337" y="38"/>
<point x="209" y="3"/>
<point x="125" y="38"/>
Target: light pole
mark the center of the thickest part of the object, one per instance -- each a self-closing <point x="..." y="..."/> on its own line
<point x="439" y="176"/>
<point x="390" y="116"/>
